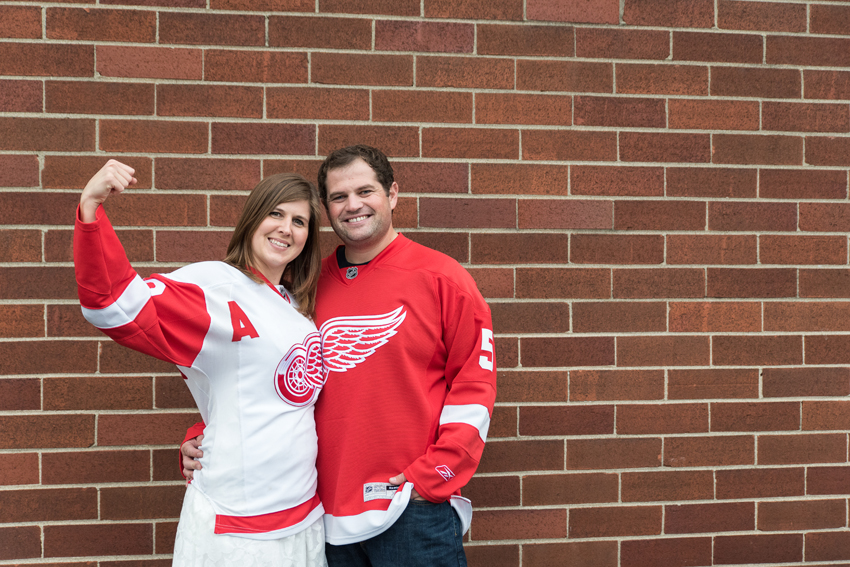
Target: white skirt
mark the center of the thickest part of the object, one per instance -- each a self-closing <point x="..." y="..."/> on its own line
<point x="197" y="546"/>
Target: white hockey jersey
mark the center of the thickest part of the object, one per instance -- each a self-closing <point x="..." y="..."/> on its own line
<point x="242" y="348"/>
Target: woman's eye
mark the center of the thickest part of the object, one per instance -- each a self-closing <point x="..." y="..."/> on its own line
<point x="274" y="214"/>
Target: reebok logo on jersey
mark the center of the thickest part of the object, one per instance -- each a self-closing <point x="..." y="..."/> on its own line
<point x="445" y="472"/>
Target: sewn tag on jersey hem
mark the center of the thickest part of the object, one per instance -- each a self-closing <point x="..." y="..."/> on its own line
<point x="378" y="491"/>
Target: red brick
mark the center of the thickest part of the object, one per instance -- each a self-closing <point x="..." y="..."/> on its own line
<point x="262" y="138"/>
<point x="566" y="420"/>
<point x="827" y="480"/>
<point x="143" y="429"/>
<point x="829" y="19"/>
<point x="20" y="394"/>
<point x="801" y="515"/>
<point x="209" y="100"/>
<point x="524" y="317"/>
<point x="672" y="13"/>
<point x="616" y="249"/>
<point x="52" y="60"/>
<point x="20" y="542"/>
<point x="750" y="216"/>
<point x="615" y="521"/>
<point x="827" y="151"/>
<point x="166" y="533"/>
<point x="393" y="140"/>
<point x="827" y="546"/>
<point x="158" y="210"/>
<point x="46" y="134"/>
<point x="171" y="392"/>
<point x="714" y="517"/>
<point x="825" y="415"/>
<point x="678" y="552"/>
<point x="659" y="282"/>
<point x="464" y="72"/>
<point x="431" y="177"/>
<point x="604" y="12"/>
<point x="759" y="482"/>
<point x="490" y="555"/>
<point x="19" y="468"/>
<point x="79" y="97"/>
<point x="493" y="491"/>
<point x="46" y="431"/>
<point x="527" y="39"/>
<point x="761" y="16"/>
<point x="153" y="136"/>
<point x="711" y="182"/>
<point x="497" y="108"/>
<point x="110" y="393"/>
<point x="780" y="548"/>
<point x="165" y="466"/>
<point x="36" y="283"/>
<point x="596" y="385"/>
<point x="21" y="246"/>
<point x="470" y="143"/>
<point x="574" y="488"/>
<point x="802" y="449"/>
<point x="504" y="420"/>
<point x="141" y="502"/>
<point x="714" y="114"/>
<point x="473" y="9"/>
<point x="539" y="213"/>
<point x="748" y="282"/>
<point x="563" y="282"/>
<point x="86" y="467"/>
<point x="58" y="247"/>
<point x="665" y="147"/>
<point x="800" y="382"/>
<point x="254" y="66"/>
<point x="68" y="321"/>
<point x="493" y="282"/>
<point x="662" y="419"/>
<point x="420" y="106"/>
<point x="572" y="145"/>
<point x="805" y="117"/>
<point x="612" y="43"/>
<point x="714" y="451"/>
<point x="49" y="505"/>
<point x="18" y="171"/>
<point x="620" y="180"/>
<point x="762" y="350"/>
<point x="711" y="249"/>
<point x="757" y="149"/>
<point x="802" y="249"/>
<point x="211" y="29"/>
<point x="827" y="349"/>
<point x="724" y="47"/>
<point x="149" y="62"/>
<point x="169" y="3"/>
<point x="569" y="76"/>
<point x="622" y="453"/>
<point x="43" y="357"/>
<point x="824" y="283"/>
<point x="667" y="485"/>
<point x="21" y="320"/>
<point x="321" y="32"/>
<point x="79" y="540"/>
<point x="396" y="35"/>
<point x="712" y="383"/>
<point x="115" y="359"/>
<point x="755" y="416"/>
<point x="387" y="7"/>
<point x="755" y="82"/>
<point x="588" y="553"/>
<point x="833" y="85"/>
<point x="662" y="351"/>
<point x="714" y="317"/>
<point x="568" y="351"/>
<point x="264" y="6"/>
<point x="522" y="524"/>
<point x="619" y="317"/>
<point x="467" y="213"/>
<point x="662" y="79"/>
<point x="807" y="50"/>
<point x="505" y="456"/>
<point x="532" y="387"/>
<point x="803" y="184"/>
<point x="525" y="179"/>
<point x="20" y="22"/>
<point x="207" y="174"/>
<point x="455" y="245"/>
<point x="659" y="215"/>
<point x="101" y="25"/>
<point x="362" y="69"/>
<point x="609" y="111"/>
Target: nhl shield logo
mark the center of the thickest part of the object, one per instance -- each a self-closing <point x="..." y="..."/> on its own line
<point x="351" y="272"/>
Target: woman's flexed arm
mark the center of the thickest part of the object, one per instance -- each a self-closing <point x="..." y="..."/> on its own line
<point x="113" y="177"/>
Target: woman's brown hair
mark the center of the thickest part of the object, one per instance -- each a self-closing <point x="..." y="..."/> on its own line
<point x="301" y="276"/>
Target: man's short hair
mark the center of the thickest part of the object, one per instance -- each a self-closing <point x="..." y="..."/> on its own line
<point x="344" y="156"/>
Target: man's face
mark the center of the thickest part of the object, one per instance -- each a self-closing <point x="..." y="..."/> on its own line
<point x="358" y="208"/>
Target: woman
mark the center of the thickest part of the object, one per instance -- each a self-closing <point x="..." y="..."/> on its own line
<point x="241" y="333"/>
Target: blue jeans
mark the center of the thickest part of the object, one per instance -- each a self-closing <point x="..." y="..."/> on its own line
<point x="425" y="535"/>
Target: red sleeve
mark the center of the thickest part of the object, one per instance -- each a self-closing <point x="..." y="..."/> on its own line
<point x="191" y="433"/>
<point x="160" y="317"/>
<point x="470" y="374"/>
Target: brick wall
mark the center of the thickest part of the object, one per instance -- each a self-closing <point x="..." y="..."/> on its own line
<point x="652" y="195"/>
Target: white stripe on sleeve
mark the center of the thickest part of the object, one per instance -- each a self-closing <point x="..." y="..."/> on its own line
<point x="475" y="415"/>
<point x="125" y="309"/>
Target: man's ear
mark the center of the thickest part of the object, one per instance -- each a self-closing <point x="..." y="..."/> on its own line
<point x="393" y="195"/>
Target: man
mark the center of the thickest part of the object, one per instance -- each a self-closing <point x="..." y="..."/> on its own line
<point x="403" y="416"/>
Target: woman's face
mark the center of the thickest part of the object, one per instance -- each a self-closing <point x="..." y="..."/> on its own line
<point x="280" y="238"/>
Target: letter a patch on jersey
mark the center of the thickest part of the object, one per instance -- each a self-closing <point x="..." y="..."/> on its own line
<point x="242" y="326"/>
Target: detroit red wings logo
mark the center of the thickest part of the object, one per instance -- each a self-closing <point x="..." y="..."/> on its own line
<point x="340" y="344"/>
